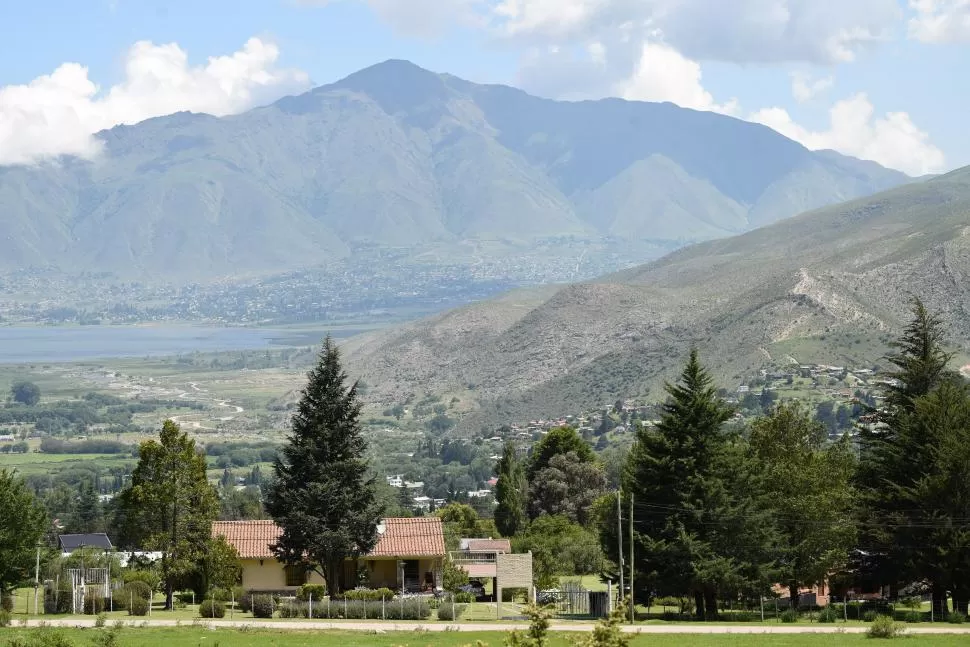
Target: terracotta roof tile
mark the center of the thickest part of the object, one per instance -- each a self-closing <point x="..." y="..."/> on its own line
<point x="401" y="538"/>
<point x="489" y="545"/>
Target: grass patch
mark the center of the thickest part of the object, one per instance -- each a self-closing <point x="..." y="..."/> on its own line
<point x="194" y="636"/>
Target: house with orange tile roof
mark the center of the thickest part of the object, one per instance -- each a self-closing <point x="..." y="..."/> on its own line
<point x="409" y="555"/>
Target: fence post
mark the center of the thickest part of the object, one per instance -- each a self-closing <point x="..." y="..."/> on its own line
<point x="309" y="609"/>
<point x="232" y="603"/>
<point x="761" y="599"/>
<point x="383" y="608"/>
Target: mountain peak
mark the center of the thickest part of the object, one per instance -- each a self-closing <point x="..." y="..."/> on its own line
<point x="397" y="85"/>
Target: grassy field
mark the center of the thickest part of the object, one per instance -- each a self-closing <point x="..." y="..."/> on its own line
<point x="211" y="637"/>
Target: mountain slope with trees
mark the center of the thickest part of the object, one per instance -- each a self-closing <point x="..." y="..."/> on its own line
<point x="395" y="155"/>
<point x="829" y="286"/>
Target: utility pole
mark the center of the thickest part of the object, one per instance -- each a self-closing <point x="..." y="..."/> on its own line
<point x="36" y="578"/>
<point x="632" y="610"/>
<point x="619" y="539"/>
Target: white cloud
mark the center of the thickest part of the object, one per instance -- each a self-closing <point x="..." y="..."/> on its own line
<point x="892" y="140"/>
<point x="59" y="113"/>
<point x="663" y="74"/>
<point x="805" y="88"/>
<point x="421" y="18"/>
<point x="940" y="21"/>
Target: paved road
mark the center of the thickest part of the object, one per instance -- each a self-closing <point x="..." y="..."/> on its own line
<point x="377" y="626"/>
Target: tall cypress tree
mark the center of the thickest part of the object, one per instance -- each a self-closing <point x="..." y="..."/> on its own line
<point x="697" y="527"/>
<point x="510" y="493"/>
<point x="321" y="496"/>
<point x="891" y="456"/>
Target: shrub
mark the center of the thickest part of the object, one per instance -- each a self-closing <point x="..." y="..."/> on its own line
<point x="445" y="611"/>
<point x="464" y="597"/>
<point x="6" y="602"/>
<point x="263" y="606"/>
<point x="743" y="616"/>
<point x="789" y="615"/>
<point x="869" y="616"/>
<point x="670" y="616"/>
<point x="367" y="595"/>
<point x="212" y="609"/>
<point x="188" y="597"/>
<point x="4" y="618"/>
<point x="245" y="602"/>
<point x="93" y="605"/>
<point x="100" y="621"/>
<point x="57" y="601"/>
<point x="139" y="589"/>
<point x="138" y="607"/>
<point x="828" y="615"/>
<point x="317" y="591"/>
<point x="914" y="616"/>
<point x="885" y="627"/>
<point x="292" y="610"/>
<point x="218" y="595"/>
<point x="238" y="592"/>
<point x="956" y="618"/>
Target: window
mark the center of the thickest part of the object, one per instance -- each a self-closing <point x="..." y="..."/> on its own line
<point x="295" y="576"/>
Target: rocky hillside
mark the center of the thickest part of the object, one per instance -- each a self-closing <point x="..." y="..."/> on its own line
<point x="831" y="285"/>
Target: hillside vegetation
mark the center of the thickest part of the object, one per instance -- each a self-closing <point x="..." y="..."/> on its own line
<point x="397" y="156"/>
<point x="830" y="285"/>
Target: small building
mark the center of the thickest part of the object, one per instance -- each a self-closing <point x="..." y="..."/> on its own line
<point x="96" y="540"/>
<point x="493" y="559"/>
<point x="409" y="556"/>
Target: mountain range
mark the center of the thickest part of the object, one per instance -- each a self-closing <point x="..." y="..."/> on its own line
<point x="829" y="286"/>
<point x="395" y="155"/>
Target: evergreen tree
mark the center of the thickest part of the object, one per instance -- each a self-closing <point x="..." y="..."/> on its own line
<point x="170" y="505"/>
<point x="88" y="516"/>
<point x="808" y="487"/>
<point x="510" y="493"/>
<point x="890" y="455"/>
<point x="22" y="525"/>
<point x="321" y="497"/>
<point x="698" y="528"/>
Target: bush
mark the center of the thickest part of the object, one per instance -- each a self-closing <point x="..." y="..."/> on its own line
<point x="94" y="604"/>
<point x="6" y="602"/>
<point x="956" y="618"/>
<point x="212" y="609"/>
<point x="464" y="597"/>
<point x="289" y="610"/>
<point x="245" y="602"/>
<point x="914" y="617"/>
<point x="885" y="627"/>
<point x="828" y="615"/>
<point x="57" y="601"/>
<point x="100" y="621"/>
<point x="138" y="607"/>
<point x="138" y="589"/>
<point x="317" y="591"/>
<point x="262" y="605"/>
<point x="218" y="595"/>
<point x="742" y="616"/>
<point x="367" y="595"/>
<point x="789" y="615"/>
<point x="869" y="616"/>
<point x="670" y="616"/>
<point x="188" y="597"/>
<point x="4" y="618"/>
<point x="445" y="611"/>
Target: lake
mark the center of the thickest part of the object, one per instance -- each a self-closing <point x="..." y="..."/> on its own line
<point x="48" y="344"/>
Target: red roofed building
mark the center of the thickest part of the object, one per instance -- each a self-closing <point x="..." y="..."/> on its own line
<point x="409" y="555"/>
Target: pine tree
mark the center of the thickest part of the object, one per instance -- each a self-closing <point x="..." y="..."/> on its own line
<point x="88" y="516"/>
<point x="889" y="454"/>
<point x="697" y="527"/>
<point x="510" y="493"/>
<point x="322" y="497"/>
<point x="170" y="505"/>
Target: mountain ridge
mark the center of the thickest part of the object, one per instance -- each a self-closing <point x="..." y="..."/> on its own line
<point x="395" y="155"/>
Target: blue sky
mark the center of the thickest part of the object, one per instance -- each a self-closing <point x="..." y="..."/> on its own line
<point x="879" y="79"/>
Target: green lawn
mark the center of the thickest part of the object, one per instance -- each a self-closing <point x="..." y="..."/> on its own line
<point x="199" y="635"/>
